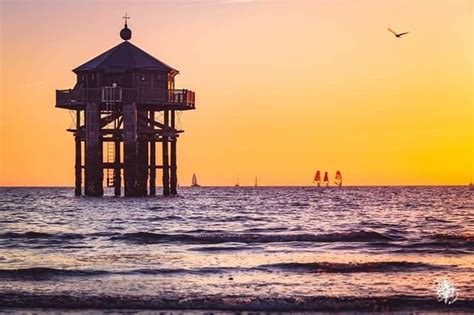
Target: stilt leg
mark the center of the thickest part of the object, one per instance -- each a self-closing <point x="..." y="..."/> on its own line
<point x="94" y="170"/>
<point x="152" y="160"/>
<point x="117" y="172"/>
<point x="173" y="181"/>
<point x="166" y="180"/>
<point x="130" y="150"/>
<point x="142" y="154"/>
<point x="78" y="166"/>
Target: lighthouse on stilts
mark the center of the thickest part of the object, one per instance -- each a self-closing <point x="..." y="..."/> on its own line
<point x="125" y="103"/>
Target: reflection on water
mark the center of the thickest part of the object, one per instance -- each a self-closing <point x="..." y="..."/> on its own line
<point x="216" y="243"/>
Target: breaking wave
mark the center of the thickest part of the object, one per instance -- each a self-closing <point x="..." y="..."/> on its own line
<point x="231" y="303"/>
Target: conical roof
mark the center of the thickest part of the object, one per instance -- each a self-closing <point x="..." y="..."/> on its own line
<point x="124" y="56"/>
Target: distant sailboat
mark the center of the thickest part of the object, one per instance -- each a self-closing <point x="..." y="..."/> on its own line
<point x="194" y="182"/>
<point x="338" y="181"/>
<point x="317" y="178"/>
<point x="256" y="181"/>
<point x="237" y="183"/>
<point x="326" y="179"/>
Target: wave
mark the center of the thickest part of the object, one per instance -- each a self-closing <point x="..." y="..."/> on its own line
<point x="268" y="229"/>
<point x="232" y="303"/>
<point x="217" y="238"/>
<point x="224" y="248"/>
<point x="417" y="248"/>
<point x="46" y="273"/>
<point x="467" y="239"/>
<point x="197" y="271"/>
<point x="447" y="243"/>
<point x="326" y="267"/>
<point x="40" y="235"/>
<point x="452" y="243"/>
<point x="166" y="218"/>
<point x="39" y="273"/>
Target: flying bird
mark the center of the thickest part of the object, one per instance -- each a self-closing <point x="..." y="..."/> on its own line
<point x="398" y="35"/>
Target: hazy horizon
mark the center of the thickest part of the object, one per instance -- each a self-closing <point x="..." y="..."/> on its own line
<point x="259" y="186"/>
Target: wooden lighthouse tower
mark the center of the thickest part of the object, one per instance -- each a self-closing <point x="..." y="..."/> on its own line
<point x="117" y="100"/>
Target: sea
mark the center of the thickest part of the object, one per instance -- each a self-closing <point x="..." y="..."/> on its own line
<point x="239" y="249"/>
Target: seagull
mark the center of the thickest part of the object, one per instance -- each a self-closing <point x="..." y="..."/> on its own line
<point x="398" y="35"/>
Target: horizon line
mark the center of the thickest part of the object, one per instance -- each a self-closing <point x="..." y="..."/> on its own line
<point x="272" y="186"/>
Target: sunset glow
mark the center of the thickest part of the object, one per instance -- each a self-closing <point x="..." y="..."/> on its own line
<point x="282" y="88"/>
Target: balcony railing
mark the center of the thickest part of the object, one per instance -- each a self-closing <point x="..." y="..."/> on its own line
<point x="81" y="96"/>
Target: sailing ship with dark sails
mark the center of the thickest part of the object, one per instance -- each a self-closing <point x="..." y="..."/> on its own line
<point x="326" y="179"/>
<point x="338" y="180"/>
<point x="317" y="178"/>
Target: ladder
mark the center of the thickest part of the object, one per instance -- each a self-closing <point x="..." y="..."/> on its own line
<point x="110" y="159"/>
<point x="108" y="96"/>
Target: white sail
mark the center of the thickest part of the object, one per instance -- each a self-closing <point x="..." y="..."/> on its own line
<point x="194" y="182"/>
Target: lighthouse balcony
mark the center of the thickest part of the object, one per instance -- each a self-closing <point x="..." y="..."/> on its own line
<point x="144" y="98"/>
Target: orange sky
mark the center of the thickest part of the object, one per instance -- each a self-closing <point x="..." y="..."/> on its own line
<point x="283" y="88"/>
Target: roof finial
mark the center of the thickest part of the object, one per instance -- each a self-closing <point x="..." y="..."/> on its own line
<point x="126" y="17"/>
<point x="126" y="33"/>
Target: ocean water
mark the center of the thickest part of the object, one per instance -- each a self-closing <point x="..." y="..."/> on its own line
<point x="238" y="249"/>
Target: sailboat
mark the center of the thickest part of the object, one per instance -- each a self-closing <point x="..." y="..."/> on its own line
<point x="237" y="184"/>
<point x="338" y="181"/>
<point x="317" y="178"/>
<point x="326" y="179"/>
<point x="256" y="181"/>
<point x="194" y="182"/>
